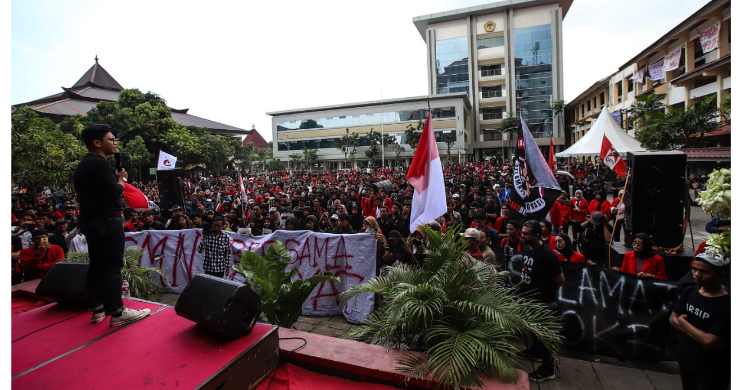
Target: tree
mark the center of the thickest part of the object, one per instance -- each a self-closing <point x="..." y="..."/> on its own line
<point x="398" y="149"/>
<point x="41" y="154"/>
<point x="137" y="155"/>
<point x="449" y="140"/>
<point x="309" y="156"/>
<point x="346" y="142"/>
<point x="558" y="107"/>
<point x="375" y="141"/>
<point x="295" y="159"/>
<point x="274" y="164"/>
<point x="413" y="135"/>
<point x="510" y="123"/>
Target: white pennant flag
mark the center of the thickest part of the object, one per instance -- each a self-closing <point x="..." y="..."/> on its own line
<point x="166" y="162"/>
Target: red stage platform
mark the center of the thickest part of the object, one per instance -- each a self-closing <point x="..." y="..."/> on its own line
<point x="54" y="347"/>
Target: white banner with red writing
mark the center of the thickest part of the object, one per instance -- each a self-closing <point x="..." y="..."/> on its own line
<point x="351" y="257"/>
<point x="638" y="75"/>
<point x="656" y="70"/>
<point x="710" y="38"/>
<point x="672" y="60"/>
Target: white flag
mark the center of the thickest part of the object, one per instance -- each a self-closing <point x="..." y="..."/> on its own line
<point x="426" y="176"/>
<point x="166" y="162"/>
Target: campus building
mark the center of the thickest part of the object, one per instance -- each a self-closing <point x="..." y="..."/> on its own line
<point x="675" y="65"/>
<point x="482" y="63"/>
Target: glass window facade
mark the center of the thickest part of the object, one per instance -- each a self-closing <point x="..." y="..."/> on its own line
<point x="484" y="43"/>
<point x="331" y="143"/>
<point x="533" y="58"/>
<point x="492" y="70"/>
<point x="493" y="91"/>
<point x="452" y="59"/>
<point x="365" y="119"/>
<point x="492" y="113"/>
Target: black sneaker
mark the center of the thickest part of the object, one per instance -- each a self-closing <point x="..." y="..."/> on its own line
<point x="541" y="375"/>
<point x="526" y="355"/>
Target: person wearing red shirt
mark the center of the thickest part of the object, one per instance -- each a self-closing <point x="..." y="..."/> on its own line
<point x="39" y="258"/>
<point x="367" y="204"/>
<point x="472" y="238"/>
<point x="566" y="206"/>
<point x="564" y="250"/>
<point x="600" y="204"/>
<point x="578" y="213"/>
<point x="642" y="261"/>
<point x="555" y="216"/>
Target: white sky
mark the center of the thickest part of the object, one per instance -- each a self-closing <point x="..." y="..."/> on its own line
<point x="234" y="61"/>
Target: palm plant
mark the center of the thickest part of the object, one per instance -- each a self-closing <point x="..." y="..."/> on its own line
<point x="280" y="299"/>
<point x="458" y="311"/>
<point x="138" y="276"/>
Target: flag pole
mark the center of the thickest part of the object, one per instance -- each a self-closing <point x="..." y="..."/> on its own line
<point x="612" y="237"/>
<point x="382" y="134"/>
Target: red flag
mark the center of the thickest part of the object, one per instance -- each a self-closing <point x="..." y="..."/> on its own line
<point x="611" y="158"/>
<point x="135" y="198"/>
<point x="551" y="161"/>
<point x="426" y="176"/>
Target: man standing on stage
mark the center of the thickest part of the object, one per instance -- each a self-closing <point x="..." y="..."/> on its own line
<point x="99" y="190"/>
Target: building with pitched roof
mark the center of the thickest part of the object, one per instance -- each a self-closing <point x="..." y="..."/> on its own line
<point x="98" y="85"/>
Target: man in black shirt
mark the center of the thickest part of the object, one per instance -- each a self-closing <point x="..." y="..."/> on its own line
<point x="149" y="223"/>
<point x="541" y="277"/>
<point x="99" y="190"/>
<point x="703" y="319"/>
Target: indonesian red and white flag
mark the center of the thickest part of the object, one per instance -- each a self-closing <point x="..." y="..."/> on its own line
<point x="426" y="176"/>
<point x="135" y="198"/>
<point x="551" y="160"/>
<point x="611" y="158"/>
<point x="243" y="193"/>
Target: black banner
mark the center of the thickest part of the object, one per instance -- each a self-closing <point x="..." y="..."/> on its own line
<point x="611" y="313"/>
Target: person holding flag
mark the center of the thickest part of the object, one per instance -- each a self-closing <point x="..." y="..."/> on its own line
<point x="534" y="188"/>
<point x="426" y="176"/>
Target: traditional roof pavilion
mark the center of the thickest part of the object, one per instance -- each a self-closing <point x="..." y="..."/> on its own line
<point x="97" y="85"/>
<point x="258" y="141"/>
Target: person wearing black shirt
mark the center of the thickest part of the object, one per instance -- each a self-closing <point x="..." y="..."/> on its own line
<point x="149" y="223"/>
<point x="99" y="190"/>
<point x="702" y="318"/>
<point x="541" y="277"/>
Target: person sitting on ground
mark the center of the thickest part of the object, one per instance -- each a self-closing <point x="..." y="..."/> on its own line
<point x="58" y="236"/>
<point x="642" y="261"/>
<point x="150" y="223"/>
<point x="564" y="250"/>
<point x="343" y="226"/>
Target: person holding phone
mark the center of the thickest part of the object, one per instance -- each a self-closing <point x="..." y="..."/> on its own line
<point x="37" y="259"/>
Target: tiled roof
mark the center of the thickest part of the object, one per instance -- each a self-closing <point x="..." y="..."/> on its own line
<point x="720" y="153"/>
<point x="192" y="120"/>
<point x="258" y="141"/>
<point x="724" y="130"/>
<point x="98" y="76"/>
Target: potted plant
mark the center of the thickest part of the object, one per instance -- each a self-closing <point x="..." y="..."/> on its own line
<point x="281" y="298"/>
<point x="458" y="312"/>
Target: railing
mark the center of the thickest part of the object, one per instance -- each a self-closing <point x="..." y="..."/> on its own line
<point x="492" y="72"/>
<point x="491" y="94"/>
<point x="492" y="115"/>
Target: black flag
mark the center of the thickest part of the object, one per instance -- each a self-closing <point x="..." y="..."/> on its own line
<point x="534" y="188"/>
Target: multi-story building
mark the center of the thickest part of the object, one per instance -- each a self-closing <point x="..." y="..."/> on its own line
<point x="321" y="128"/>
<point x="507" y="56"/>
<point x="674" y="65"/>
<point x="482" y="63"/>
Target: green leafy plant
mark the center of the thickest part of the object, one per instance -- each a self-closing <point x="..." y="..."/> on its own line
<point x="281" y="299"/>
<point x="138" y="276"/>
<point x="716" y="200"/>
<point x="457" y="311"/>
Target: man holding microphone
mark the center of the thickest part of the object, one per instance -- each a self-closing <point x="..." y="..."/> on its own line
<point x="99" y="189"/>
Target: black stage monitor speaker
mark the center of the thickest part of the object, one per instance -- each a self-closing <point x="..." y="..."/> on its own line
<point x="65" y="282"/>
<point x="221" y="305"/>
<point x="655" y="195"/>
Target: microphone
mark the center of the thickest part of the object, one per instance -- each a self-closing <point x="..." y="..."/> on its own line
<point x="118" y="161"/>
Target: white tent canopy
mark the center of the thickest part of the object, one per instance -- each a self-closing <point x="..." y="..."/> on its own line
<point x="591" y="143"/>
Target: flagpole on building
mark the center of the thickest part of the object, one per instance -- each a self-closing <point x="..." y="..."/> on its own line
<point x="382" y="134"/>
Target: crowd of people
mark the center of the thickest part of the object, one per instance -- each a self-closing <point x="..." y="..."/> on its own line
<point x="46" y="223"/>
<point x="376" y="201"/>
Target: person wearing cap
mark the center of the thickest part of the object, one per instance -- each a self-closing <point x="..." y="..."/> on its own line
<point x="171" y="223"/>
<point x="471" y="235"/>
<point x="480" y="222"/>
<point x="541" y="277"/>
<point x="39" y="258"/>
<point x="58" y="236"/>
<point x="99" y="191"/>
<point x="642" y="261"/>
<point x="702" y="318"/>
